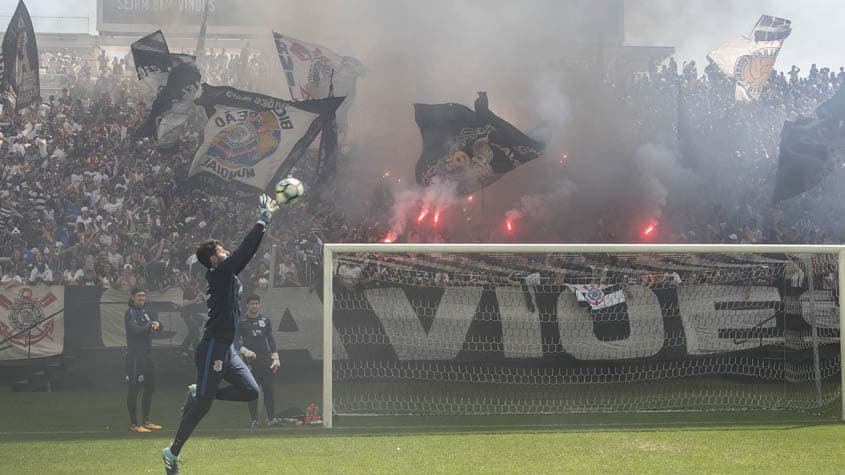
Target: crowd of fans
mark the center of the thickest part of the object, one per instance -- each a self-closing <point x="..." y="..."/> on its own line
<point x="736" y="142"/>
<point x="83" y="202"/>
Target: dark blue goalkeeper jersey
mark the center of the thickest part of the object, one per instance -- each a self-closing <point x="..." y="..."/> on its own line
<point x="257" y="335"/>
<point x="224" y="289"/>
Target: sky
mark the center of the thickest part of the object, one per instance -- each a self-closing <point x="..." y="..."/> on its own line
<point x="693" y="26"/>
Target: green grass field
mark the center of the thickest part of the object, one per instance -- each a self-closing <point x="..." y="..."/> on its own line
<point x="86" y="432"/>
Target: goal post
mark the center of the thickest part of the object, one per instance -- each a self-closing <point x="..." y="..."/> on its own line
<point x="506" y="346"/>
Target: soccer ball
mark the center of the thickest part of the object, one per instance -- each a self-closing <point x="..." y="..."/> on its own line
<point x="289" y="190"/>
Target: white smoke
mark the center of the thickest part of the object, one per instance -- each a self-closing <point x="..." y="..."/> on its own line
<point x="418" y="201"/>
<point x="546" y="206"/>
<point x="657" y="170"/>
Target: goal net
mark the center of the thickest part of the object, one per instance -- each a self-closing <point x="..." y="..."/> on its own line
<point x="546" y="330"/>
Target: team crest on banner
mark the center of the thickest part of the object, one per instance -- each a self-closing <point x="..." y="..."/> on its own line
<point x="311" y="70"/>
<point x="598" y="296"/>
<point x="471" y="149"/>
<point x="750" y="60"/>
<point x="29" y="326"/>
<point x="248" y="141"/>
<point x="251" y="140"/>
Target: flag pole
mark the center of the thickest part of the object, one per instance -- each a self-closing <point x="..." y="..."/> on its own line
<point x="201" y="37"/>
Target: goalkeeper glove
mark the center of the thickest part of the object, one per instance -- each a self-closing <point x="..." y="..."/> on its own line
<point x="266" y="207"/>
<point x="274" y="366"/>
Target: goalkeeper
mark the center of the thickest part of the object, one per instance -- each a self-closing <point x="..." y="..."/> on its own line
<point x="215" y="356"/>
<point x="258" y="349"/>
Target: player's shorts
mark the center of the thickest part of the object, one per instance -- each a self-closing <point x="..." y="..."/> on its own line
<point x="138" y="368"/>
<point x="261" y="369"/>
<point x="217" y="361"/>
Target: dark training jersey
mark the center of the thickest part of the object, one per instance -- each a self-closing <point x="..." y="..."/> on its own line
<point x="223" y="294"/>
<point x="257" y="335"/>
<point x="139" y="339"/>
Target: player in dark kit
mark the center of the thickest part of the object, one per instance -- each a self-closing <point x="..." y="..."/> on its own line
<point x="140" y="326"/>
<point x="258" y="349"/>
<point x="215" y="356"/>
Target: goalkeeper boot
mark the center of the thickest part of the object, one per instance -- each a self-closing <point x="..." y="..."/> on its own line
<point x="152" y="425"/>
<point x="171" y="462"/>
<point x="189" y="402"/>
<point x="255" y="424"/>
<point x="275" y="422"/>
<point x="139" y="429"/>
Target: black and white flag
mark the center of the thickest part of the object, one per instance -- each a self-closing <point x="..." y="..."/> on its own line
<point x="470" y="148"/>
<point x="598" y="296"/>
<point x="311" y="70"/>
<point x="173" y="81"/>
<point x="20" y="81"/>
<point x="750" y="60"/>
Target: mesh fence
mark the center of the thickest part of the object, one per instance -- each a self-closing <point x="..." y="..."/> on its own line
<point x="562" y="333"/>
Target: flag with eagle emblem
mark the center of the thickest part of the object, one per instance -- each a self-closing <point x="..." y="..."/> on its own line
<point x="251" y="140"/>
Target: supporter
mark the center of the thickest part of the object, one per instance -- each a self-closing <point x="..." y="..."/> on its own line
<point x="102" y="207"/>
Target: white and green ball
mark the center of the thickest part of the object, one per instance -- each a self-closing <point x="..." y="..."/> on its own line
<point x="289" y="190"/>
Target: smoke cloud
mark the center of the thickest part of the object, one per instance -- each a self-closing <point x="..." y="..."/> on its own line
<point x="530" y="58"/>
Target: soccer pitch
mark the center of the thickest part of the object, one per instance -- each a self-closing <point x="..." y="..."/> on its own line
<point x="87" y="432"/>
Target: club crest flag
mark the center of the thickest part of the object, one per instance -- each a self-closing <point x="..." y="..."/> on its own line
<point x="250" y="140"/>
<point x="750" y="60"/>
<point x="598" y="296"/>
<point x="31" y="322"/>
<point x="311" y="69"/>
<point x="470" y="148"/>
<point x="20" y="81"/>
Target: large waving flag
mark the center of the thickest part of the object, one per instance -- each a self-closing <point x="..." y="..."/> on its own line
<point x="811" y="148"/>
<point x="20" y="81"/>
<point x="173" y="82"/>
<point x="312" y="70"/>
<point x="750" y="60"/>
<point x="470" y="148"/>
<point x="251" y="141"/>
<point x="152" y="62"/>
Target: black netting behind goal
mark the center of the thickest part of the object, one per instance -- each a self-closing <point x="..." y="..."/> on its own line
<point x="457" y="334"/>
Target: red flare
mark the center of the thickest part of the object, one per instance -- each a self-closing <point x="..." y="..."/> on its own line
<point x="436" y="217"/>
<point x="648" y="230"/>
<point x="509" y="225"/>
<point x="422" y="215"/>
<point x="389" y="238"/>
<point x="469" y="198"/>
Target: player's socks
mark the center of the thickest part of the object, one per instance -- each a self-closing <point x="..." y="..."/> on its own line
<point x="171" y="462"/>
<point x="192" y="398"/>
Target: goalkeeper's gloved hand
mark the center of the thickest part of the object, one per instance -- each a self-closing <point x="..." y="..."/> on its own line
<point x="266" y="207"/>
<point x="274" y="366"/>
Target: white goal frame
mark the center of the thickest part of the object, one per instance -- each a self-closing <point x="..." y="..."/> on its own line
<point x="330" y="249"/>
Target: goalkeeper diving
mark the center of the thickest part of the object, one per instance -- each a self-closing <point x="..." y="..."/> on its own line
<point x="215" y="357"/>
